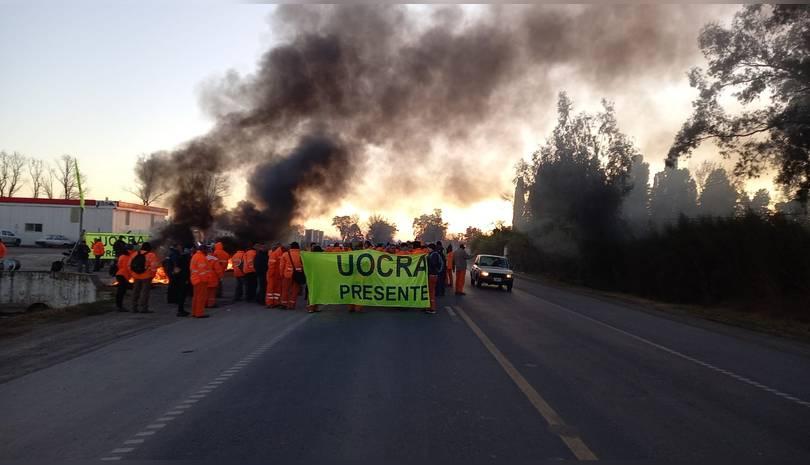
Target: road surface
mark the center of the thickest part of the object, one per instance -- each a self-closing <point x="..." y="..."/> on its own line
<point x="533" y="376"/>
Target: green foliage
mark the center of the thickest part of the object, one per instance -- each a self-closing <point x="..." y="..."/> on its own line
<point x="380" y="229"/>
<point x="762" y="61"/>
<point x="430" y="227"/>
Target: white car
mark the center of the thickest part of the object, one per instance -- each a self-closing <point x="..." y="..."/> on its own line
<point x="9" y="238"/>
<point x="493" y="270"/>
<point x="55" y="240"/>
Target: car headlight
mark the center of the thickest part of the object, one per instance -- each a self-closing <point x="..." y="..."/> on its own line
<point x="484" y="273"/>
<point x="508" y="276"/>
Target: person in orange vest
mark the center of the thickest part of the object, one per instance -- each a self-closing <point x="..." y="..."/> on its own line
<point x="213" y="279"/>
<point x="98" y="252"/>
<point x="450" y="269"/>
<point x="143" y="266"/>
<point x="200" y="275"/>
<point x="2" y="250"/>
<point x="222" y="257"/>
<point x="290" y="263"/>
<point x="249" y="267"/>
<point x="238" y="272"/>
<point x="122" y="275"/>
<point x="273" y="298"/>
<point x="460" y="258"/>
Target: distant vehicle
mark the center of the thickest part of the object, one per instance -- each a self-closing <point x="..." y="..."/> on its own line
<point x="55" y="240"/>
<point x="9" y="238"/>
<point x="491" y="269"/>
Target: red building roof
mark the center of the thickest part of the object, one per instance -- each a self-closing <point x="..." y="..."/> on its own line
<point x="87" y="203"/>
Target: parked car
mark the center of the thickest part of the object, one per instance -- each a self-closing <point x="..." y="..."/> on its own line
<point x="55" y="240"/>
<point x="9" y="238"/>
<point x="492" y="269"/>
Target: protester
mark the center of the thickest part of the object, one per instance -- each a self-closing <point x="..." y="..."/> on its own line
<point x="82" y="254"/>
<point x="143" y="266"/>
<point x="441" y="282"/>
<point x="213" y="279"/>
<point x="120" y="246"/>
<point x="249" y="267"/>
<point x="122" y="276"/>
<point x="450" y="268"/>
<point x="291" y="266"/>
<point x="98" y="252"/>
<point x="201" y="272"/>
<point x="222" y="257"/>
<point x="170" y="264"/>
<point x="460" y="258"/>
<point x="311" y="308"/>
<point x="261" y="266"/>
<point x="2" y="250"/>
<point x="273" y="295"/>
<point x="238" y="273"/>
<point x="181" y="273"/>
<point x="434" y="265"/>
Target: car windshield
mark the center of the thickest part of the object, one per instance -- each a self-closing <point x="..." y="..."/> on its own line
<point x="497" y="262"/>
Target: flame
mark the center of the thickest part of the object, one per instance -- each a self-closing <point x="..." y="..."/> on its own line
<point x="230" y="265"/>
<point x="160" y="278"/>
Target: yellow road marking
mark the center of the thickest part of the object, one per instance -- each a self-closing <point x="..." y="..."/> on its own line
<point x="555" y="422"/>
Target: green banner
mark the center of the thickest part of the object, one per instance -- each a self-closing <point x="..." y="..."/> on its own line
<point x="367" y="277"/>
<point x="108" y="239"/>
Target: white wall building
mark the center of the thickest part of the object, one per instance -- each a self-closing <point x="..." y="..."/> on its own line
<point x="30" y="219"/>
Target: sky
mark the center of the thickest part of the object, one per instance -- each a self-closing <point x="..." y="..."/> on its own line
<point x="109" y="81"/>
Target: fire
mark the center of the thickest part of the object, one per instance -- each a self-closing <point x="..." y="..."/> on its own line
<point x="160" y="278"/>
<point x="230" y="265"/>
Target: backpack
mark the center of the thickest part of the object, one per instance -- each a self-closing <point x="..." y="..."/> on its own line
<point x="138" y="263"/>
<point x="298" y="274"/>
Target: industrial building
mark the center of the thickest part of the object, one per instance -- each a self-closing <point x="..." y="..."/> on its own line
<point x="312" y="236"/>
<point x="30" y="219"/>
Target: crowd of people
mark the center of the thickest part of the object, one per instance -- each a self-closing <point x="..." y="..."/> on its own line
<point x="270" y="275"/>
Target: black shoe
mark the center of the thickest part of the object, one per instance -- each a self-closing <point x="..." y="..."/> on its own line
<point x="183" y="314"/>
<point x="430" y="312"/>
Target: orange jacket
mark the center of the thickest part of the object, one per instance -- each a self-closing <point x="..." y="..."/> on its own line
<point x="217" y="270"/>
<point x="274" y="263"/>
<point x="200" y="268"/>
<point x="222" y="256"/>
<point x="450" y="260"/>
<point x="250" y="261"/>
<point x="98" y="248"/>
<point x="123" y="265"/>
<point x="152" y="264"/>
<point x="236" y="261"/>
<point x="291" y="260"/>
<point x="2" y="250"/>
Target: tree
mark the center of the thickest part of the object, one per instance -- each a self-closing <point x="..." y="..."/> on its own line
<point x="36" y="171"/>
<point x="430" y="227"/>
<point x="702" y="172"/>
<point x="380" y="230"/>
<point x="674" y="193"/>
<point x="762" y="57"/>
<point x="718" y="196"/>
<point x="48" y="183"/>
<point x="760" y="204"/>
<point x="11" y="168"/>
<point x="148" y="187"/>
<point x="66" y="178"/>
<point x="519" y="204"/>
<point x="636" y="204"/>
<point x="347" y="226"/>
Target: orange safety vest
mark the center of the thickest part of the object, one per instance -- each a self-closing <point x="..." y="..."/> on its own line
<point x="98" y="248"/>
<point x="236" y="260"/>
<point x="287" y="266"/>
<point x="2" y="249"/>
<point x="217" y="270"/>
<point x="250" y="261"/>
<point x="273" y="262"/>
<point x="222" y="257"/>
<point x="123" y="266"/>
<point x="200" y="268"/>
<point x="151" y="266"/>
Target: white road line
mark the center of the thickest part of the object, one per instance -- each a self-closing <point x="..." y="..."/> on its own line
<point x="183" y="406"/>
<point x="174" y="412"/>
<point x="197" y="396"/>
<point x="156" y="426"/>
<point x="191" y="401"/>
<point x="165" y="419"/>
<point x="731" y="374"/>
<point x="134" y="441"/>
<point x="110" y="459"/>
<point x="123" y="450"/>
<point x="145" y="433"/>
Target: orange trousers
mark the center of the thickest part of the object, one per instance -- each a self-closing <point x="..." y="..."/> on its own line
<point x="198" y="301"/>
<point x="211" y="296"/>
<point x="433" y="279"/>
<point x="449" y="277"/>
<point x="273" y="296"/>
<point x="460" y="281"/>
<point x="289" y="293"/>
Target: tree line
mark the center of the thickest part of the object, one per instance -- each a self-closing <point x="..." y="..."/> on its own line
<point x="56" y="179"/>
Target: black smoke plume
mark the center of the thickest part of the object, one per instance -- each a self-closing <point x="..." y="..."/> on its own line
<point x="374" y="92"/>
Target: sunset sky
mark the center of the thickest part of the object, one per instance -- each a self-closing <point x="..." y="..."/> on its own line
<point x="107" y="82"/>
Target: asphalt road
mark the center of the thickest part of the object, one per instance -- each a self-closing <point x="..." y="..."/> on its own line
<point x="539" y="374"/>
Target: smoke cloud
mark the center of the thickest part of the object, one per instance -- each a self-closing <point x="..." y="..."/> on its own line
<point x="411" y="97"/>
